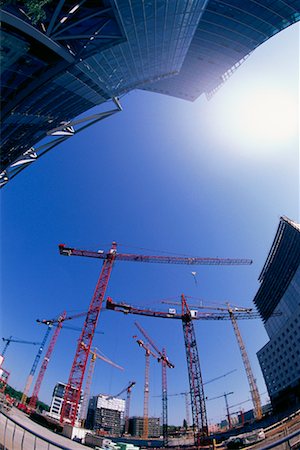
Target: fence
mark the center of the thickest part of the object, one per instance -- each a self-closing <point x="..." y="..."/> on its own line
<point x="14" y="436"/>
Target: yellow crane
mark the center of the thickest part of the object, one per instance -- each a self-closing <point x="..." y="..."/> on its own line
<point x="94" y="355"/>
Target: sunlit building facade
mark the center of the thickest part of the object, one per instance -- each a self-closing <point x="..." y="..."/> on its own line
<point x="57" y="401"/>
<point x="278" y="302"/>
<point x="60" y="59"/>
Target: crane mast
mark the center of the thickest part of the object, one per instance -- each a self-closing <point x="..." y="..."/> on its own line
<point x="195" y="377"/>
<point x="37" y="386"/>
<point x="148" y="352"/>
<point x="232" y="313"/>
<point x="127" y="409"/>
<point x="200" y="424"/>
<point x="225" y="395"/>
<point x="94" y="356"/>
<point x="88" y="387"/>
<point x="187" y="409"/>
<point x="34" y="366"/>
<point x="163" y="359"/>
<point x="146" y="396"/>
<point x="251" y="380"/>
<point x="164" y="397"/>
<point x="73" y="388"/>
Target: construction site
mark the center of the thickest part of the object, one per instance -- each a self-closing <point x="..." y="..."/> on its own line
<point x="105" y="420"/>
<point x="172" y="127"/>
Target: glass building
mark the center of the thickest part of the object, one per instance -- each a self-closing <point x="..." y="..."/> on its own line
<point x="60" y="59"/>
<point x="278" y="302"/>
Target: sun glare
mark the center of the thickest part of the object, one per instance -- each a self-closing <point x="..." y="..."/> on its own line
<point x="260" y="117"/>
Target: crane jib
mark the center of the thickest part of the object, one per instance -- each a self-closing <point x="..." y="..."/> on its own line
<point x="160" y="259"/>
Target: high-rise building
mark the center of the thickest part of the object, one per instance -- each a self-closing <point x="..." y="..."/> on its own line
<point x="106" y="414"/>
<point x="279" y="293"/>
<point x="57" y="401"/>
<point x="136" y="426"/>
<point x="60" y="59"/>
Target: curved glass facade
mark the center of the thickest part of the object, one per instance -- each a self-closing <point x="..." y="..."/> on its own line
<point x="280" y="267"/>
<point x="280" y="293"/>
<point x="226" y="35"/>
<point x="63" y="58"/>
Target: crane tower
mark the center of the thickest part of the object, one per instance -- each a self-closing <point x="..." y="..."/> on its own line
<point x="165" y="362"/>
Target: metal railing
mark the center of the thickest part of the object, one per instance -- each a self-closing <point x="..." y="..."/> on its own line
<point x="14" y="436"/>
<point x="289" y="441"/>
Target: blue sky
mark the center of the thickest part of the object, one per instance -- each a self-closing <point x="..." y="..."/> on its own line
<point x="204" y="179"/>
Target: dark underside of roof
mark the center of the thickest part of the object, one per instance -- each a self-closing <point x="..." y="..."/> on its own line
<point x="227" y="33"/>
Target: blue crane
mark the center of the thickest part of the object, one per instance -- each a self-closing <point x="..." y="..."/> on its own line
<point x="18" y="341"/>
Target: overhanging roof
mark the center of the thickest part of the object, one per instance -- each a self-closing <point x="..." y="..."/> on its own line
<point x="280" y="267"/>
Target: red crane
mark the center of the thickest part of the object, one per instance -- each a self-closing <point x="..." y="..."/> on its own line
<point x="200" y="424"/>
<point x="37" y="386"/>
<point x="234" y="313"/>
<point x="73" y="389"/>
<point x="128" y="390"/>
<point x="162" y="357"/>
<point x="195" y="378"/>
<point x="58" y="323"/>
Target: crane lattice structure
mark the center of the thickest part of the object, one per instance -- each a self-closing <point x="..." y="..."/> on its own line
<point x="251" y="380"/>
<point x="225" y="395"/>
<point x="148" y="353"/>
<point x="38" y="383"/>
<point x="58" y="323"/>
<point x="73" y="388"/>
<point x="128" y="390"/>
<point x="34" y="366"/>
<point x="164" y="360"/>
<point x="243" y="313"/>
<point x="200" y="424"/>
<point x="235" y="313"/>
<point x="186" y="393"/>
<point x="94" y="355"/>
<point x="18" y="341"/>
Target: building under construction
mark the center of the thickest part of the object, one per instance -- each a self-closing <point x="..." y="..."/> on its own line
<point x="136" y="426"/>
<point x="106" y="415"/>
